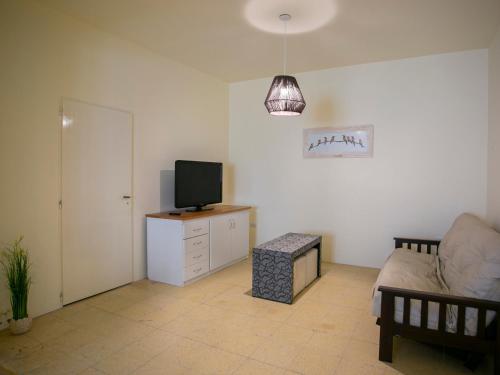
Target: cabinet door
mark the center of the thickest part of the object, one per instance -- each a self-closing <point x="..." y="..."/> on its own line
<point x="220" y="241"/>
<point x="240" y="235"/>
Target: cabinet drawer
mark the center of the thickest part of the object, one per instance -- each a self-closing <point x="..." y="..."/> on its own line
<point x="196" y="256"/>
<point x="196" y="243"/>
<point x="195" y="228"/>
<point x="195" y="270"/>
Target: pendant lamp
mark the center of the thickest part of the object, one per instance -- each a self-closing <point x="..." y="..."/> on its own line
<point x="284" y="97"/>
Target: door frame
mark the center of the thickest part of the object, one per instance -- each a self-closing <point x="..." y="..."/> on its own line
<point x="59" y="203"/>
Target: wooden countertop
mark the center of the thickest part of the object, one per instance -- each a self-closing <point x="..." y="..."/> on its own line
<point x="217" y="210"/>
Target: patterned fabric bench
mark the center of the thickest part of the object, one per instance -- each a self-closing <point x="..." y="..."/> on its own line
<point x="273" y="265"/>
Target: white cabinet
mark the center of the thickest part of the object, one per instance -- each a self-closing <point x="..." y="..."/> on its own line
<point x="229" y="238"/>
<point x="220" y="239"/>
<point x="180" y="249"/>
<point x="240" y="234"/>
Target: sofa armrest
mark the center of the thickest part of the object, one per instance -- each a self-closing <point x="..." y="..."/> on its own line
<point x="387" y="308"/>
<point x="422" y="244"/>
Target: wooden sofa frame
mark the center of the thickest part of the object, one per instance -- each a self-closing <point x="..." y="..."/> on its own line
<point x="485" y="340"/>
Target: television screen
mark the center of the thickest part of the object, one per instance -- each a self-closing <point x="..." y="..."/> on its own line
<point x="197" y="183"/>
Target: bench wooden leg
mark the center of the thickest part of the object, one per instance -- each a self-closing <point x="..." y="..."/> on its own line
<point x="386" y="328"/>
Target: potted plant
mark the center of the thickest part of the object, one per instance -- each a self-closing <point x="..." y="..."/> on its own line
<point x="15" y="262"/>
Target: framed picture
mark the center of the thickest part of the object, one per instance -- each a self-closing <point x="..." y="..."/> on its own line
<point x="351" y="142"/>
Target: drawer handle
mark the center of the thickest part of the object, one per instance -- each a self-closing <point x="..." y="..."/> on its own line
<point x="197" y="243"/>
<point x="198" y="256"/>
<point x="197" y="270"/>
<point x="197" y="229"/>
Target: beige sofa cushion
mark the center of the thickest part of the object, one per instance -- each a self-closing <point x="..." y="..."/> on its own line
<point x="411" y="270"/>
<point x="470" y="259"/>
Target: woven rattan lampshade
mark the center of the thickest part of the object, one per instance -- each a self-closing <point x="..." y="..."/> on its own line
<point x="284" y="97"/>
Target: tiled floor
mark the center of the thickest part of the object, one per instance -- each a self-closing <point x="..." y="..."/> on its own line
<point x="214" y="327"/>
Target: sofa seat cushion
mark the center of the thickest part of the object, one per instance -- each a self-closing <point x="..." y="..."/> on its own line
<point x="408" y="269"/>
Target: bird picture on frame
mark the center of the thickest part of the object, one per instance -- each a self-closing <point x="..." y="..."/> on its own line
<point x="354" y="142"/>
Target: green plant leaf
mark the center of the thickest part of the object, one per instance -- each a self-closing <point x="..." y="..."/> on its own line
<point x="15" y="262"/>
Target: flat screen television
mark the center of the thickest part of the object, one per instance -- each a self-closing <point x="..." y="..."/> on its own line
<point x="197" y="183"/>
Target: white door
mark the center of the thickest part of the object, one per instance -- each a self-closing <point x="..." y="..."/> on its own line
<point x="240" y="235"/>
<point x="220" y="241"/>
<point x="96" y="199"/>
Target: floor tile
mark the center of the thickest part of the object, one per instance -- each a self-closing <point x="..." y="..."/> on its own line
<point x="209" y="360"/>
<point x="311" y="361"/>
<point x="328" y="344"/>
<point x="100" y="348"/>
<point x="138" y="311"/>
<point x="243" y="340"/>
<point x="16" y="347"/>
<point x="253" y="367"/>
<point x="110" y="302"/>
<point x="295" y="335"/>
<point x="157" y="342"/>
<point x="125" y="360"/>
<point x="165" y="367"/>
<point x="91" y="371"/>
<point x="277" y="352"/>
<point x="67" y="364"/>
<point x="49" y="327"/>
<point x="70" y="310"/>
<point x="353" y="367"/>
<point x="362" y="352"/>
<point x="72" y="340"/>
<point x="367" y="330"/>
<point x="33" y="361"/>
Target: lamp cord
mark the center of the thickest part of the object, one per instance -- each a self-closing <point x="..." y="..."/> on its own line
<point x="284" y="47"/>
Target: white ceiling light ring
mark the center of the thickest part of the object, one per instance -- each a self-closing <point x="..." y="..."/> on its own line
<point x="308" y="15"/>
<point x="285" y="17"/>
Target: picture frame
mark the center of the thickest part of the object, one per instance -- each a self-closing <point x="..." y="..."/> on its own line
<point x="329" y="142"/>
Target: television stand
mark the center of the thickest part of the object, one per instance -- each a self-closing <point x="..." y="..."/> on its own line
<point x="183" y="248"/>
<point x="199" y="209"/>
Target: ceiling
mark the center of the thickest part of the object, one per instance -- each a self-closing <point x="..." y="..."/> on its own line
<point x="239" y="39"/>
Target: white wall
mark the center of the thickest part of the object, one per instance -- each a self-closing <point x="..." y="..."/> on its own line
<point x="178" y="113"/>
<point x="494" y="134"/>
<point x="431" y="118"/>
